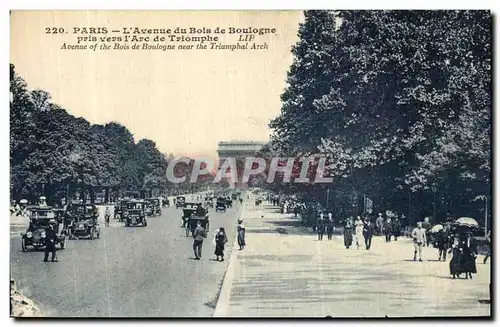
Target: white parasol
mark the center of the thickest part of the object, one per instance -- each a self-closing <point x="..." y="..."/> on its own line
<point x="467" y="222"/>
<point x="437" y="228"/>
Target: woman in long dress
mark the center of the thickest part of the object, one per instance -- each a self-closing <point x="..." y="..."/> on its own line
<point x="455" y="262"/>
<point x="359" y="232"/>
<point x="220" y="241"/>
<point x="469" y="255"/>
<point x="241" y="234"/>
<point x="348" y="230"/>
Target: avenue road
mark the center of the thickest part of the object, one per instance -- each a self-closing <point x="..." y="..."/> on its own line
<point x="128" y="272"/>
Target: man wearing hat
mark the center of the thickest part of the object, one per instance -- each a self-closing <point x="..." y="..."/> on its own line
<point x="23" y="210"/>
<point x="42" y="202"/>
<point x="50" y="241"/>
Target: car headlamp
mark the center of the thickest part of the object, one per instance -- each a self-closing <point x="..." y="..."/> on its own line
<point x="43" y="234"/>
<point x="29" y="235"/>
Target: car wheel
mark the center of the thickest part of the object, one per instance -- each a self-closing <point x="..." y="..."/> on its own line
<point x="23" y="245"/>
<point x="98" y="235"/>
<point x="92" y="233"/>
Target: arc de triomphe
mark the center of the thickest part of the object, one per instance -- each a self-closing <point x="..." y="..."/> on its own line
<point x="238" y="150"/>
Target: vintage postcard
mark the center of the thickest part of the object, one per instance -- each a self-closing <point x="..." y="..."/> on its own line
<point x="257" y="164"/>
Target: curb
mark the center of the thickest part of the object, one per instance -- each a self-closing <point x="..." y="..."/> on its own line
<point x="227" y="281"/>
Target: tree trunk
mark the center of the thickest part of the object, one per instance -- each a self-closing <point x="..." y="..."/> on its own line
<point x="106" y="195"/>
<point x="92" y="194"/>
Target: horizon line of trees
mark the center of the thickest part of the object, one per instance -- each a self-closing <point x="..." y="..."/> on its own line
<point x="400" y="104"/>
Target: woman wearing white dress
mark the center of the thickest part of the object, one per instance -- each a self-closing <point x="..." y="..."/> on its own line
<point x="359" y="231"/>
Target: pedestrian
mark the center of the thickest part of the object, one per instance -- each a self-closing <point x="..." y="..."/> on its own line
<point x="295" y="211"/>
<point x="241" y="234"/>
<point x="50" y="241"/>
<point x="469" y="246"/>
<point x="320" y="227"/>
<point x="388" y="230"/>
<point x="443" y="241"/>
<point x="396" y="228"/>
<point x="368" y="231"/>
<point x="107" y="215"/>
<point x="380" y="224"/>
<point x="42" y="202"/>
<point x="359" y="226"/>
<point x="419" y="240"/>
<point x="330" y="225"/>
<point x="427" y="226"/>
<point x="488" y="245"/>
<point x="455" y="262"/>
<point x="348" y="231"/>
<point x="220" y="241"/>
<point x="198" y="235"/>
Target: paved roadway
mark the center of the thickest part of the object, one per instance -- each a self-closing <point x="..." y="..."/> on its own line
<point x="128" y="272"/>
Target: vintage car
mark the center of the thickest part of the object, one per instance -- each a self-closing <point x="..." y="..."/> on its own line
<point x="221" y="204"/>
<point x="209" y="202"/>
<point x="153" y="207"/>
<point x="81" y="221"/>
<point x="193" y="216"/>
<point x="180" y="202"/>
<point x="36" y="232"/>
<point x="120" y="207"/>
<point x="135" y="213"/>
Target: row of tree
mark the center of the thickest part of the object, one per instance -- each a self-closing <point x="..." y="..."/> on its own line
<point x="400" y="104"/>
<point x="61" y="156"/>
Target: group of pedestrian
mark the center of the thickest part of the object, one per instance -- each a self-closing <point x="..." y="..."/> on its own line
<point x="323" y="226"/>
<point x="389" y="227"/>
<point x="220" y="239"/>
<point x="465" y="252"/>
<point x="360" y="231"/>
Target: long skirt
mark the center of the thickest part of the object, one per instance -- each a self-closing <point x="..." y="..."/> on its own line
<point x="347" y="238"/>
<point x="241" y="239"/>
<point x="219" y="249"/>
<point x="455" y="263"/>
<point x="469" y="263"/>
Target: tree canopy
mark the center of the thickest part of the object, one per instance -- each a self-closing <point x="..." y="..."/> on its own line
<point x="55" y="153"/>
<point x="398" y="101"/>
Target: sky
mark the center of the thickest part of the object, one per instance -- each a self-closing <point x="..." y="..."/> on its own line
<point x="184" y="100"/>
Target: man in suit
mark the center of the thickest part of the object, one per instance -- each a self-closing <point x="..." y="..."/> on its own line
<point x="198" y="236"/>
<point x="388" y="230"/>
<point x="50" y="241"/>
<point x="396" y="228"/>
<point x="368" y="231"/>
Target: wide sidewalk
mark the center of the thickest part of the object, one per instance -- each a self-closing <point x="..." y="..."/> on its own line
<point x="285" y="273"/>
